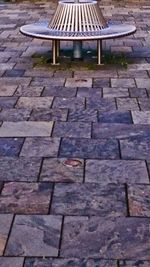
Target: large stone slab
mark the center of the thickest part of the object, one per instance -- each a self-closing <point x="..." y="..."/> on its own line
<point x="115" y="117"/>
<point x="5" y="223"/>
<point x="116" y="171"/>
<point x="26" y="198"/>
<point x="11" y="261"/>
<point x="142" y="82"/>
<point x="34" y="102"/>
<point x="10" y="146"/>
<point x="8" y="101"/>
<point x="62" y="170"/>
<point x="59" y="91"/>
<point x="139" y="202"/>
<point x="34" y="235"/>
<point x="89" y="199"/>
<point x="123" y="82"/>
<point x="78" y="82"/>
<point x="115" y="92"/>
<point x="144" y="104"/>
<point x="72" y="129"/>
<point x="106" y="238"/>
<point x="101" y="104"/>
<point x="40" y="147"/>
<point x="127" y="104"/>
<point x="13" y="114"/>
<point x="89" y="148"/>
<point x="69" y="102"/>
<point x="26" y="128"/>
<point x="86" y="115"/>
<point x="49" y="115"/>
<point x="19" y="169"/>
<point x="141" y="117"/>
<point x="29" y="91"/>
<point x="7" y="90"/>
<point x="89" y="92"/>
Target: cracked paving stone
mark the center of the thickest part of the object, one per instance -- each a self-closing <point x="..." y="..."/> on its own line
<point x="100" y="130"/>
<point x="127" y="104"/>
<point x="139" y="201"/>
<point x="7" y="90"/>
<point x="115" y="117"/>
<point x="89" y="148"/>
<point x="72" y="129"/>
<point x="119" y="237"/>
<point x="59" y="91"/>
<point x="144" y="104"/>
<point x="62" y="170"/>
<point x="115" y="92"/>
<point x="40" y="147"/>
<point x="10" y="146"/>
<point x="27" y="91"/>
<point x="87" y="115"/>
<point x="71" y="103"/>
<point x="89" y="199"/>
<point x="102" y="104"/>
<point x="116" y="171"/>
<point x="141" y="117"/>
<point x="135" y="148"/>
<point x="25" y="198"/>
<point x="34" y="102"/>
<point x="127" y="82"/>
<point x="34" y="235"/>
<point x="136" y="263"/>
<point x="49" y="262"/>
<point x="26" y="128"/>
<point x="78" y="82"/>
<point x="8" y="101"/>
<point x="14" y="114"/>
<point x="5" y="223"/>
<point x="19" y="169"/>
<point x="49" y="115"/>
<point x="11" y="261"/>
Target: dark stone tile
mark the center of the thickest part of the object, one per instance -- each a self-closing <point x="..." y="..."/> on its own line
<point x="72" y="129"/>
<point x="83" y="115"/>
<point x="99" y="82"/>
<point x="40" y="147"/>
<point x="22" y="169"/>
<point x="72" y="103"/>
<point x="14" y="114"/>
<point x="144" y="104"/>
<point x="49" y="115"/>
<point x="135" y="148"/>
<point x="100" y="130"/>
<point x="25" y="198"/>
<point x="14" y="73"/>
<point x="102" y="104"/>
<point x="137" y="92"/>
<point x="11" y="261"/>
<point x="34" y="235"/>
<point x="10" y="146"/>
<point x="136" y="263"/>
<point x="115" y="117"/>
<point x="108" y="238"/>
<point x="8" y="101"/>
<point x="59" y="91"/>
<point x="89" y="199"/>
<point x="62" y="170"/>
<point x="116" y="171"/>
<point x="89" y="148"/>
<point x="89" y="92"/>
<point x="139" y="202"/>
<point x="5" y="224"/>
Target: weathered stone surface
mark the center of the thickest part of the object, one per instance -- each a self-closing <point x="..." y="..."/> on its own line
<point x="116" y="171"/>
<point x="89" y="92"/>
<point x="10" y="146"/>
<point x="127" y="104"/>
<point x="132" y="73"/>
<point x="78" y="82"/>
<point x="19" y="169"/>
<point x="5" y="223"/>
<point x="11" y="261"/>
<point x="138" y="92"/>
<point x="37" y="262"/>
<point x="136" y="263"/>
<point x="135" y="148"/>
<point x="103" y="149"/>
<point x="62" y="170"/>
<point x="14" y="114"/>
<point x="72" y="103"/>
<point x="40" y="81"/>
<point x="28" y="91"/>
<point x="34" y="102"/>
<point x="139" y="202"/>
<point x="26" y="128"/>
<point x="72" y="129"/>
<point x="89" y="199"/>
<point x="49" y="115"/>
<point x="122" y="82"/>
<point x="36" y="235"/>
<point x="117" y="130"/>
<point x="8" y="101"/>
<point x="115" y="117"/>
<point x="40" y="147"/>
<point x="7" y="90"/>
<point x="115" y="92"/>
<point x="142" y="82"/>
<point x="83" y="115"/>
<point x="108" y="239"/>
<point x="59" y="91"/>
<point x="144" y="104"/>
<point x="99" y="82"/>
<point x="102" y="104"/>
<point x="141" y="117"/>
<point x="25" y="198"/>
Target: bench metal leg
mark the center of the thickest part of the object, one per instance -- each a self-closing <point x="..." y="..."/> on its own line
<point x="54" y="52"/>
<point x="99" y="52"/>
<point x="58" y="47"/>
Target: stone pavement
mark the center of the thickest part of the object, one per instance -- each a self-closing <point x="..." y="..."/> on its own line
<point x="74" y="149"/>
